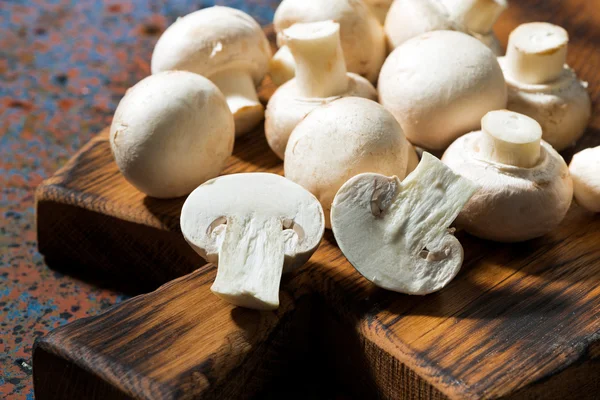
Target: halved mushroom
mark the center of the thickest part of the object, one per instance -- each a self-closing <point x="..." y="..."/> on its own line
<point x="321" y="77"/>
<point x="407" y="19"/>
<point x="171" y="132"/>
<point x="228" y="47"/>
<point x="396" y="233"/>
<point x="542" y="86"/>
<point x="525" y="186"/>
<point x="255" y="226"/>
<point x="585" y="170"/>
<point x="362" y="36"/>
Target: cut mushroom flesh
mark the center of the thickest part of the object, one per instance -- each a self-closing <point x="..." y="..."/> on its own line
<point x="396" y="233"/>
<point x="255" y="226"/>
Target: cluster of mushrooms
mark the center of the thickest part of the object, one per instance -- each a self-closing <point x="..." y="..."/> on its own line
<point x="347" y="147"/>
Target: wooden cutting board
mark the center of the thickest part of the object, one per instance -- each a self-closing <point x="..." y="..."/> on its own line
<point x="520" y="321"/>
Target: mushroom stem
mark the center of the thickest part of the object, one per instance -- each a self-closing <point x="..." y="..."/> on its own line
<point x="537" y="52"/>
<point x="282" y="66"/>
<point x="320" y="65"/>
<point x="510" y="138"/>
<point x="238" y="87"/>
<point x="477" y="16"/>
<point x="251" y="261"/>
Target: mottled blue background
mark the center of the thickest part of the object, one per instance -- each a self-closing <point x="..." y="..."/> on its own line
<point x="64" y="65"/>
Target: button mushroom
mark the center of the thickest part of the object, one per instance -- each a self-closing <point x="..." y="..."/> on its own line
<point x="321" y="78"/>
<point x="228" y="47"/>
<point x="542" y="86"/>
<point x="172" y="132"/>
<point x="525" y="186"/>
<point x="255" y="226"/>
<point x="396" y="233"/>
<point x="341" y="139"/>
<point x="362" y="36"/>
<point x="407" y="19"/>
<point x="585" y="170"/>
<point x="437" y="101"/>
<point x="478" y="18"/>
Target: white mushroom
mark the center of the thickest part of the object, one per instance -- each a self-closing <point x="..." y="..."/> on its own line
<point x="172" y="132"/>
<point x="585" y="170"/>
<point x="282" y="66"/>
<point x="227" y="46"/>
<point x="341" y="139"/>
<point x="525" y="187"/>
<point x="396" y="233"/>
<point x="439" y="85"/>
<point x="478" y="16"/>
<point x="407" y="19"/>
<point x="321" y="78"/>
<point x="362" y="36"/>
<point x="255" y="226"/>
<point x="542" y="86"/>
<point x="379" y="8"/>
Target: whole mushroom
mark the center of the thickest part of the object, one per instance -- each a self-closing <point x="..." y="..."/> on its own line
<point x="225" y="45"/>
<point x="321" y="77"/>
<point x="437" y="101"/>
<point x="172" y="132"/>
<point x="407" y="19"/>
<point x="341" y="139"/>
<point x="254" y="226"/>
<point x="542" y="86"/>
<point x="525" y="189"/>
<point x="363" y="40"/>
<point x="585" y="170"/>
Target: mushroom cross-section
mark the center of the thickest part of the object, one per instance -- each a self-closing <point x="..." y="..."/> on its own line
<point x="396" y="233"/>
<point x="254" y="226"/>
<point x="228" y="47"/>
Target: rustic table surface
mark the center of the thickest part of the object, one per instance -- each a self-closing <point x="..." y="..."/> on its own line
<point x="64" y="65"/>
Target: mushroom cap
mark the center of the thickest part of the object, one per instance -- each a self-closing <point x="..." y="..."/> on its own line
<point x="341" y="139"/>
<point x="287" y="108"/>
<point x="563" y="107"/>
<point x="212" y="40"/>
<point x="409" y="18"/>
<point x="171" y="132"/>
<point x="362" y="37"/>
<point x="205" y="212"/>
<point x="585" y="171"/>
<point x="513" y="204"/>
<point x="439" y="85"/>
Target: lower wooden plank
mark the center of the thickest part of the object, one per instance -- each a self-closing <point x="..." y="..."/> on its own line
<point x="179" y="342"/>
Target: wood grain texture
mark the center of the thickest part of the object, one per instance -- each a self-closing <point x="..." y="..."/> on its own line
<point x="520" y="321"/>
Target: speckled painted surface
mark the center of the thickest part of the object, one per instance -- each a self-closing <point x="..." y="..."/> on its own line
<point x="64" y="65"/>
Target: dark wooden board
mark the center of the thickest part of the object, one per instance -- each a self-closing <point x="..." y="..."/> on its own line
<point x="520" y="321"/>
